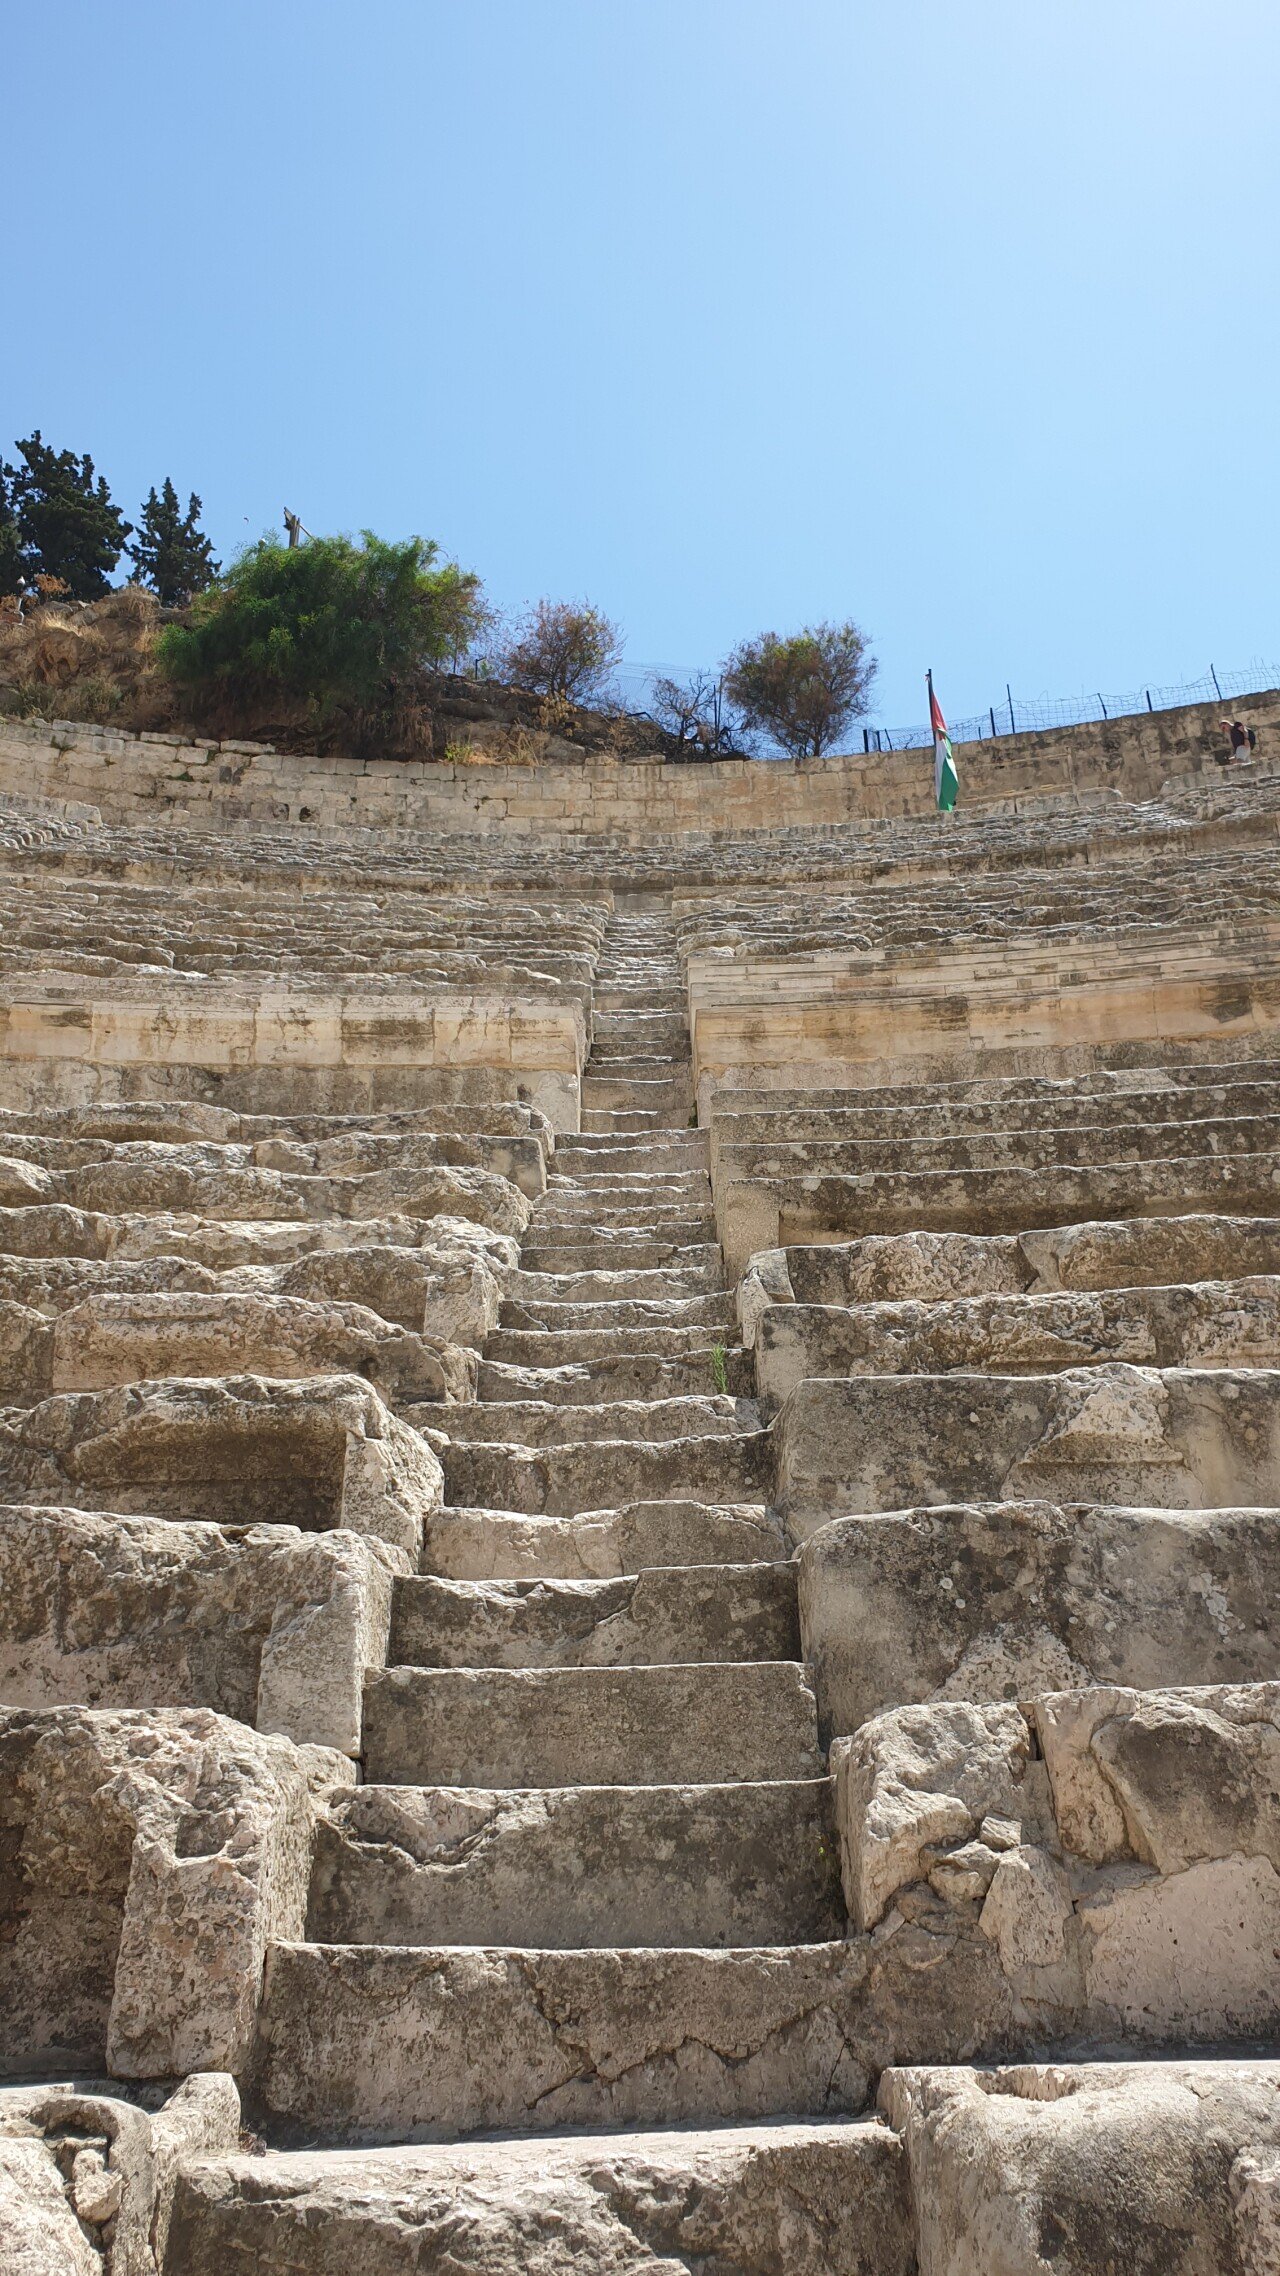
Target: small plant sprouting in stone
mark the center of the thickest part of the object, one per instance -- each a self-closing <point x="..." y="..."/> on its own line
<point x="719" y="1369"/>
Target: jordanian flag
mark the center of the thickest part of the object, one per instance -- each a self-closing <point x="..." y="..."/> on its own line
<point x="946" y="782"/>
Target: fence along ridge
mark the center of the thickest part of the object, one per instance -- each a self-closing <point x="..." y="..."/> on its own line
<point x="1018" y="715"/>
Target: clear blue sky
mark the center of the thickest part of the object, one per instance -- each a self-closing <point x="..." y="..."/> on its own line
<point x="728" y="314"/>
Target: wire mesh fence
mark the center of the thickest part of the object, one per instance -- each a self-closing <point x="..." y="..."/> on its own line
<point x="634" y="688"/>
<point x="1022" y="715"/>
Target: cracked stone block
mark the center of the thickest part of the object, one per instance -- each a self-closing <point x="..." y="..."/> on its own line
<point x="146" y="1860"/>
<point x="1161" y="2169"/>
<point x="1002" y="1600"/>
<point x="1136" y="1436"/>
<point x="240" y="1450"/>
<point x="1118" y="1849"/>
<point x="88" y="2176"/>
<point x="273" y="1627"/>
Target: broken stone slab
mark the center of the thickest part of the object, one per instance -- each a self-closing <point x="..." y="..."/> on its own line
<point x="1002" y="1600"/>
<point x="1119" y="1850"/>
<point x="1081" y="2166"/>
<point x="685" y="1613"/>
<point x="562" y="1481"/>
<point x="579" y="1866"/>
<point x="109" y="1339"/>
<point x="497" y="1544"/>
<point x="125" y="1185"/>
<point x="1137" y="1436"/>
<point x="148" y="1860"/>
<point x="815" y="2199"/>
<point x="1209" y="1323"/>
<point x="273" y="1627"/>
<point x="320" y="1454"/>
<point x="87" y="2177"/>
<point x="441" y="1277"/>
<point x="589" y="1726"/>
<point x="362" y="2043"/>
<point x="784" y="1211"/>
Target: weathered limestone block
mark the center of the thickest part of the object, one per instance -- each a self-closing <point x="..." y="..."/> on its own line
<point x="1139" y="1436"/>
<point x="816" y="2200"/>
<point x="1148" y="2167"/>
<point x="109" y="1339"/>
<point x="1119" y="1850"/>
<point x="567" y="1867"/>
<point x="1212" y="1323"/>
<point x="484" y="1544"/>
<point x="148" y="1858"/>
<point x="320" y="1454"/>
<point x="783" y="1210"/>
<point x="137" y="1181"/>
<point x="367" y="2044"/>
<point x="273" y="1627"/>
<point x="1001" y="1600"/>
<point x="87" y="2179"/>
<point x="450" y="1288"/>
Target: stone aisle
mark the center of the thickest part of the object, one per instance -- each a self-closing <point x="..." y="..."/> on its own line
<point x="592" y="1880"/>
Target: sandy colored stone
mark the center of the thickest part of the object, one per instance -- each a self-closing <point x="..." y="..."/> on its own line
<point x="150" y="1859"/>
<point x="271" y="1626"/>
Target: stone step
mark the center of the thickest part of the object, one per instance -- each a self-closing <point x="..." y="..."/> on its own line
<point x="581" y="1216"/>
<point x="813" y="2199"/>
<point x="362" y="2043"/>
<point x="550" y="1348"/>
<point x="564" y="1480"/>
<point x="644" y="1185"/>
<point x="664" y="1030"/>
<point x="661" y="1617"/>
<point x="659" y="996"/>
<point x="656" y="1284"/>
<point x="714" y="1310"/>
<point x="621" y="1120"/>
<point x="624" y="1376"/>
<point x="629" y="1055"/>
<point x="586" y="1148"/>
<point x="607" y="1251"/>
<point x="627" y="1093"/>
<point x="600" y="1544"/>
<point x="589" y="1726"/>
<point x="525" y="1423"/>
<point x="579" y="1867"/>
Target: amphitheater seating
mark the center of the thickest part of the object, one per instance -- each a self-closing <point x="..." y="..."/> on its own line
<point x="639" y="1487"/>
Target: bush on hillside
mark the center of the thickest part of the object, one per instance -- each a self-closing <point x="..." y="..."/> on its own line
<point x="562" y="648"/>
<point x="332" y="633"/>
<point x="802" y="691"/>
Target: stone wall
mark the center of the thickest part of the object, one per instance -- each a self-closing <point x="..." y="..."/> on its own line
<point x="132" y="778"/>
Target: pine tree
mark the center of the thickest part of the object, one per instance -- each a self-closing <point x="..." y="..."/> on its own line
<point x="172" y="555"/>
<point x="10" y="547"/>
<point x="67" y="524"/>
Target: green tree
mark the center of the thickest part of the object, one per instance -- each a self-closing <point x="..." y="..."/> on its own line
<point x="802" y="691"/>
<point x="10" y="542"/>
<point x="67" y="524"/>
<point x="340" y="630"/>
<point x="171" y="554"/>
<point x="563" y="648"/>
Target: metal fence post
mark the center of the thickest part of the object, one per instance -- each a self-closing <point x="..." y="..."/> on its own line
<point x="992" y="717"/>
<point x="1214" y="677"/>
<point x="1013" y="724"/>
<point x="1150" y="705"/>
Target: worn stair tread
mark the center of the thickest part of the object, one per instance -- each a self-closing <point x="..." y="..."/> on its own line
<point x="664" y="1614"/>
<point x="702" y="1722"/>
<point x="751" y="1862"/>
<point x="599" y="1544"/>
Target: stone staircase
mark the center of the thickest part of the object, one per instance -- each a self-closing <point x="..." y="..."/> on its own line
<point x="601" y="1797"/>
